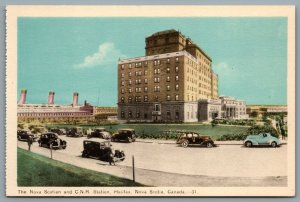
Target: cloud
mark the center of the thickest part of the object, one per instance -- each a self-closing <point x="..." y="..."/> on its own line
<point x="107" y="54"/>
<point x="224" y="69"/>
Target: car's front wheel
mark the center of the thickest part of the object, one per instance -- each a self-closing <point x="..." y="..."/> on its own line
<point x="209" y="145"/>
<point x="273" y="144"/>
<point x="185" y="143"/>
<point x="248" y="144"/>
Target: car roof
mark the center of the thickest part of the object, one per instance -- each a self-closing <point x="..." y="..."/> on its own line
<point x="96" y="140"/>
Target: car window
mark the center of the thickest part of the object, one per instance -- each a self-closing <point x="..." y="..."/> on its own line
<point x="189" y="135"/>
<point x="195" y="135"/>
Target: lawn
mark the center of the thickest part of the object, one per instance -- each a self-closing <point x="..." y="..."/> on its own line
<point x="152" y="130"/>
<point x="37" y="170"/>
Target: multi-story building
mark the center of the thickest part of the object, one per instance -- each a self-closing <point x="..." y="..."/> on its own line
<point x="168" y="82"/>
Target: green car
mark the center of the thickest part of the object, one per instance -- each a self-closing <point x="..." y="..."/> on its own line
<point x="262" y="139"/>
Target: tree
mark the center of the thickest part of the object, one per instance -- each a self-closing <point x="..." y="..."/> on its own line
<point x="254" y="114"/>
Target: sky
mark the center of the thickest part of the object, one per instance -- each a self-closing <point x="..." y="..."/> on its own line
<point x="69" y="55"/>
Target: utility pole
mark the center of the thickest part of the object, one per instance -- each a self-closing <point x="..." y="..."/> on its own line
<point x="133" y="171"/>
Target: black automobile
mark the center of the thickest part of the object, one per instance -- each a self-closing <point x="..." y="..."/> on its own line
<point x="127" y="135"/>
<point x="58" y="131"/>
<point x="102" y="150"/>
<point x="52" y="140"/>
<point x="23" y="135"/>
<point x="190" y="138"/>
<point x="100" y="133"/>
<point x="75" y="132"/>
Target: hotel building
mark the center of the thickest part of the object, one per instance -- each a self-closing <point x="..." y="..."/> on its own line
<point x="167" y="83"/>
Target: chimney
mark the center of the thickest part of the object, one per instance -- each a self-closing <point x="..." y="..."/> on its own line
<point x="22" y="99"/>
<point x="51" y="98"/>
<point x="75" y="99"/>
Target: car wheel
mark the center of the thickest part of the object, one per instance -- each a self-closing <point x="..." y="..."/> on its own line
<point x="209" y="145"/>
<point x="248" y="144"/>
<point x="273" y="144"/>
<point x="185" y="144"/>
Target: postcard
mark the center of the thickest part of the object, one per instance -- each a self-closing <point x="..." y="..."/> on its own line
<point x="150" y="101"/>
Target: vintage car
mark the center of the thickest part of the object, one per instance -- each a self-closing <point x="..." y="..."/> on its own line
<point x="23" y="135"/>
<point x="190" y="138"/>
<point x="100" y="133"/>
<point x="102" y="150"/>
<point x="262" y="139"/>
<point x="51" y="140"/>
<point x="75" y="132"/>
<point x="58" y="131"/>
<point x="127" y="135"/>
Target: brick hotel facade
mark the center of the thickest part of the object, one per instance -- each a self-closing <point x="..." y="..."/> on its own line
<point x="167" y="83"/>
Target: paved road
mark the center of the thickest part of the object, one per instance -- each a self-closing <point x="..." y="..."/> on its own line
<point x="170" y="165"/>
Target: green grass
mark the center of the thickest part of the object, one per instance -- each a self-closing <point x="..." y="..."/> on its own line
<point x="37" y="170"/>
<point x="152" y="130"/>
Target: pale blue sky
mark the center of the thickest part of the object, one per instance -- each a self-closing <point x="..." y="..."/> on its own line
<point x="80" y="54"/>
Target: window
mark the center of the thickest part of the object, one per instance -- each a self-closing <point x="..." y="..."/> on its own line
<point x="168" y="97"/>
<point x="122" y="114"/>
<point x="177" y="59"/>
<point x="122" y="75"/>
<point x="156" y="88"/>
<point x="168" y="115"/>
<point x="129" y="74"/>
<point x="157" y="107"/>
<point x="176" y="69"/>
<point x="137" y="114"/>
<point x="145" y="63"/>
<point x="156" y="71"/>
<point x="146" y="98"/>
<point x="176" y="97"/>
<point x="158" y="62"/>
<point x="129" y="66"/>
<point x="122" y="90"/>
<point x="145" y="72"/>
<point x="145" y="116"/>
<point x="122" y="66"/>
<point x="168" y="88"/>
<point x="155" y="62"/>
<point x="129" y="81"/>
<point x="176" y="78"/>
<point x="168" y="70"/>
<point x="176" y="87"/>
<point x="130" y="90"/>
<point x="156" y="80"/>
<point x="146" y="81"/>
<point x="168" y="79"/>
<point x="146" y="89"/>
<point x="130" y="99"/>
<point x="122" y="99"/>
<point x="122" y="83"/>
<point x="129" y="114"/>
<point x="168" y="60"/>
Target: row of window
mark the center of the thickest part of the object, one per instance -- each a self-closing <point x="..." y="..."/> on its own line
<point x="51" y="114"/>
<point x="139" y="64"/>
<point x="156" y="80"/>
<point x="156" y="71"/>
<point x="139" y="98"/>
<point x="138" y="115"/>
<point x="156" y="89"/>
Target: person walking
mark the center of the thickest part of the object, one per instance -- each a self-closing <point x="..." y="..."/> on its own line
<point x="29" y="142"/>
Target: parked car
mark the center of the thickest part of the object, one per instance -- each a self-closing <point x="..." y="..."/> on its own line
<point x="48" y="139"/>
<point x="187" y="138"/>
<point x="58" y="131"/>
<point x="127" y="135"/>
<point x="100" y="133"/>
<point x="75" y="132"/>
<point x="102" y="150"/>
<point x="23" y="135"/>
<point x="262" y="139"/>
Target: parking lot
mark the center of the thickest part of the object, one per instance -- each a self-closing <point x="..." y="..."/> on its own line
<point x="163" y="163"/>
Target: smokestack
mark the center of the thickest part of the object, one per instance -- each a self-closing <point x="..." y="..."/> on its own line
<point x="75" y="99"/>
<point x="22" y="99"/>
<point x="51" y="98"/>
